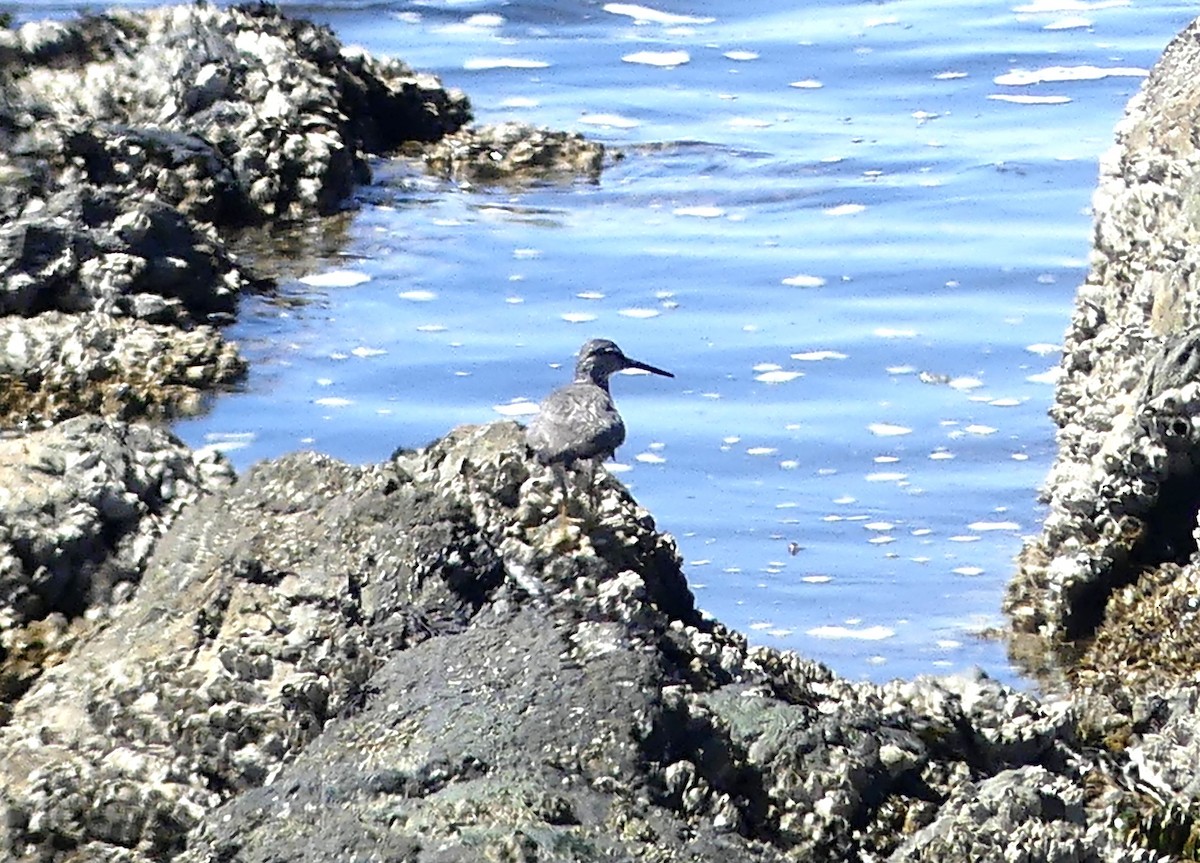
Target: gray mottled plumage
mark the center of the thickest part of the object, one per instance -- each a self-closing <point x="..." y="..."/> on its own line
<point x="580" y="421"/>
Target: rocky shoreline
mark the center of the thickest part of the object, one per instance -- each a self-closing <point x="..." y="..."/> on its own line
<point x="135" y="144"/>
<point x="419" y="660"/>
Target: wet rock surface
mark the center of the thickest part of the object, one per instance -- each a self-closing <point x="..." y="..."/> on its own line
<point x="422" y="660"/>
<point x="1106" y="596"/>
<point x="514" y="153"/>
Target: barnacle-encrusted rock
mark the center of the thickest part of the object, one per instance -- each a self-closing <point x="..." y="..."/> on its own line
<point x="514" y="152"/>
<point x="81" y="506"/>
<point x="56" y="365"/>
<point x="129" y="143"/>
<point x="1108" y="584"/>
<point x="423" y="660"/>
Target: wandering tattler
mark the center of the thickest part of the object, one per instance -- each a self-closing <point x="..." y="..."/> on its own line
<point x="579" y="422"/>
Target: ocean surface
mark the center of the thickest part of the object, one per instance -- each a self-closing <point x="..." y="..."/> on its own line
<point x="852" y="230"/>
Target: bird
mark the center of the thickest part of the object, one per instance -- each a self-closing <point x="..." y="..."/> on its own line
<point x="579" y="422"/>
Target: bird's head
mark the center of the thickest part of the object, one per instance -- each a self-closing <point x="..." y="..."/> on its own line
<point x="600" y="358"/>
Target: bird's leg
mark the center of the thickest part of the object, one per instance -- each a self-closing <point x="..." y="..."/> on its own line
<point x="560" y="474"/>
<point x="591" y="474"/>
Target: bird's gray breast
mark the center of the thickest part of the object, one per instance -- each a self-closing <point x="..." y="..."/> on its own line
<point x="577" y="421"/>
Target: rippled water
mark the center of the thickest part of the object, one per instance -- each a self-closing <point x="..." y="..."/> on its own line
<point x="852" y="230"/>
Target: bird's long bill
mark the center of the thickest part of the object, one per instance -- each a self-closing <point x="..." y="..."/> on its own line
<point x="646" y="367"/>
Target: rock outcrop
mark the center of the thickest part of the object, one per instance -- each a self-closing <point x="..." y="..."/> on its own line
<point x="1117" y="559"/>
<point x="133" y="143"/>
<point x="423" y="660"/>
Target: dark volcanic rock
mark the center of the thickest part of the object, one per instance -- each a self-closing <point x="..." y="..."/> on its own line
<point x="84" y="250"/>
<point x="422" y="661"/>
<point x="1117" y="559"/>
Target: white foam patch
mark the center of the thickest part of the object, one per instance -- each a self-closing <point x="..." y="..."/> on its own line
<point x="519" y="102"/>
<point x="882" y="21"/>
<point x="747" y="123"/>
<point x="526" y="254"/>
<point x="228" y="441"/>
<point x="362" y="351"/>
<point x="886" y="476"/>
<point x="983" y="526"/>
<point x="517" y="408"/>
<point x="965" y="383"/>
<point x="761" y="450"/>
<point x="646" y="15"/>
<point x="807" y="84"/>
<point x="949" y="76"/>
<point x="867" y="633"/>
<point x="1006" y="402"/>
<point x="590" y="295"/>
<point x="844" y="210"/>
<point x="577" y="317"/>
<point x="1025" y="77"/>
<point x="335" y="279"/>
<point x="888" y="429"/>
<point x="431" y="328"/>
<point x="879" y="526"/>
<point x="1049" y="376"/>
<point x="816" y="579"/>
<point x="417" y="296"/>
<point x="333" y="402"/>
<point x="611" y="121"/>
<point x="741" y="55"/>
<point x="1030" y="100"/>
<point x="699" y="212"/>
<point x="650" y="458"/>
<point x="777" y="376"/>
<point x="1039" y="7"/>
<point x="639" y="314"/>
<point x="803" y="280"/>
<point x="480" y="64"/>
<point x="662" y="59"/>
<point x="1071" y="22"/>
<point x="817" y="356"/>
<point x="979" y="429"/>
<point x="473" y="24"/>
<point x="941" y="455"/>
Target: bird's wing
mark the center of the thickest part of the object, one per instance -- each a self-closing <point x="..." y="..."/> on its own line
<point x="576" y="421"/>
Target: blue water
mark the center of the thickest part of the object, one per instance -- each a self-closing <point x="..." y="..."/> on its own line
<point x="934" y="229"/>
